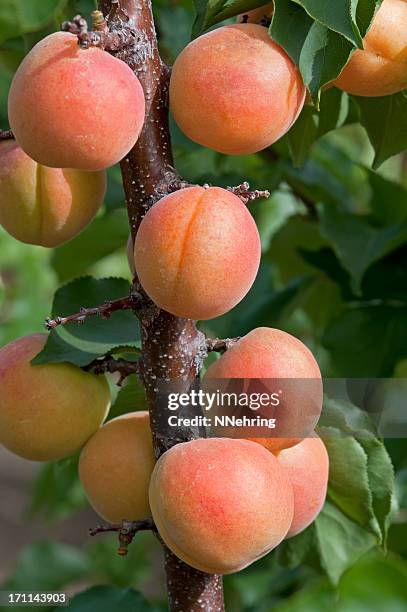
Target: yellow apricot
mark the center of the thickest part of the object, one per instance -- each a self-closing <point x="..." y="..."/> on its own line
<point x="47" y="411"/>
<point x="45" y="206"/>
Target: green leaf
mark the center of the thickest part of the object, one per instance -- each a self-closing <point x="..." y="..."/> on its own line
<point x="333" y="110"/>
<point x="349" y="486"/>
<point x="340" y="541"/>
<point x="367" y="340"/>
<point x="106" y="598"/>
<point x="385" y="121"/>
<point x="57" y="491"/>
<point x="131" y="397"/>
<point x="104" y="236"/>
<point x="81" y="344"/>
<point x="22" y="16"/>
<point x="319" y="52"/>
<point x="336" y="16"/>
<point x="47" y="565"/>
<point x="273" y="213"/>
<point x="356" y="243"/>
<point x="302" y="135"/>
<point x="210" y="12"/>
<point x="292" y="552"/>
<point x="381" y="481"/>
<point x="389" y="200"/>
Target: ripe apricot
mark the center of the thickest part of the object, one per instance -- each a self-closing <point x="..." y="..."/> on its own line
<point x="197" y="252"/>
<point x="220" y="504"/>
<point x="48" y="411"/>
<point x="257" y="15"/>
<point x="307" y="465"/>
<point x="75" y="108"/>
<point x="380" y="69"/>
<point x="45" y="206"/>
<point x="235" y="90"/>
<point x="269" y="361"/>
<point x="115" y="468"/>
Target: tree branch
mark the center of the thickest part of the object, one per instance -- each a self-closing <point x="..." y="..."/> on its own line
<point x="109" y="364"/>
<point x="133" y="301"/>
<point x="172" y="348"/>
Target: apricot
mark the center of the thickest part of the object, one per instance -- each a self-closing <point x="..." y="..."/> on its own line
<point x="75" y="108"/>
<point x="235" y="90"/>
<point x="257" y="15"/>
<point x="307" y="465"/>
<point x="115" y="468"/>
<point x="45" y="206"/>
<point x="220" y="504"/>
<point x="48" y="411"/>
<point x="197" y="252"/>
<point x="272" y="362"/>
<point x="380" y="69"/>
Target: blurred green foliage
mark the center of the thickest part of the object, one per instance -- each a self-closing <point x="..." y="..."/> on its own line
<point x="333" y="272"/>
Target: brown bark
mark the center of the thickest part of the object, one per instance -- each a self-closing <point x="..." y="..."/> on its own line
<point x="172" y="348"/>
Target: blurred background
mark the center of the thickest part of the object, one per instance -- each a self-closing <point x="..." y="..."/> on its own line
<point x="322" y="278"/>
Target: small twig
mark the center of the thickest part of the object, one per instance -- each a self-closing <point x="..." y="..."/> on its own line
<point x="126" y="531"/>
<point x="6" y="135"/>
<point x="218" y="345"/>
<point x="77" y="26"/>
<point x="246" y="195"/>
<point x="133" y="302"/>
<point x="112" y="365"/>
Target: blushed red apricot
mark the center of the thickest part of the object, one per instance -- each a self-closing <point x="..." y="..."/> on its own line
<point x="45" y="206"/>
<point x="257" y="15"/>
<point x="380" y="69"/>
<point x="307" y="466"/>
<point x="197" y="252"/>
<point x="48" y="411"/>
<point x="115" y="468"/>
<point x="75" y="108"/>
<point x="235" y="90"/>
<point x="270" y="361"/>
<point x="205" y="494"/>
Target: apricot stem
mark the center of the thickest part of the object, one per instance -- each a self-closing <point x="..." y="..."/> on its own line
<point x="6" y="135"/>
<point x="244" y="192"/>
<point x="126" y="531"/>
<point x="109" y="364"/>
<point x="217" y="345"/>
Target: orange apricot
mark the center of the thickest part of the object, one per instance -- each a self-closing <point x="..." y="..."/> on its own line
<point x="197" y="252"/>
<point x="307" y="465"/>
<point x="380" y="69"/>
<point x="269" y="361"/>
<point x="115" y="468"/>
<point x="220" y="504"/>
<point x="235" y="90"/>
<point x="75" y="108"/>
